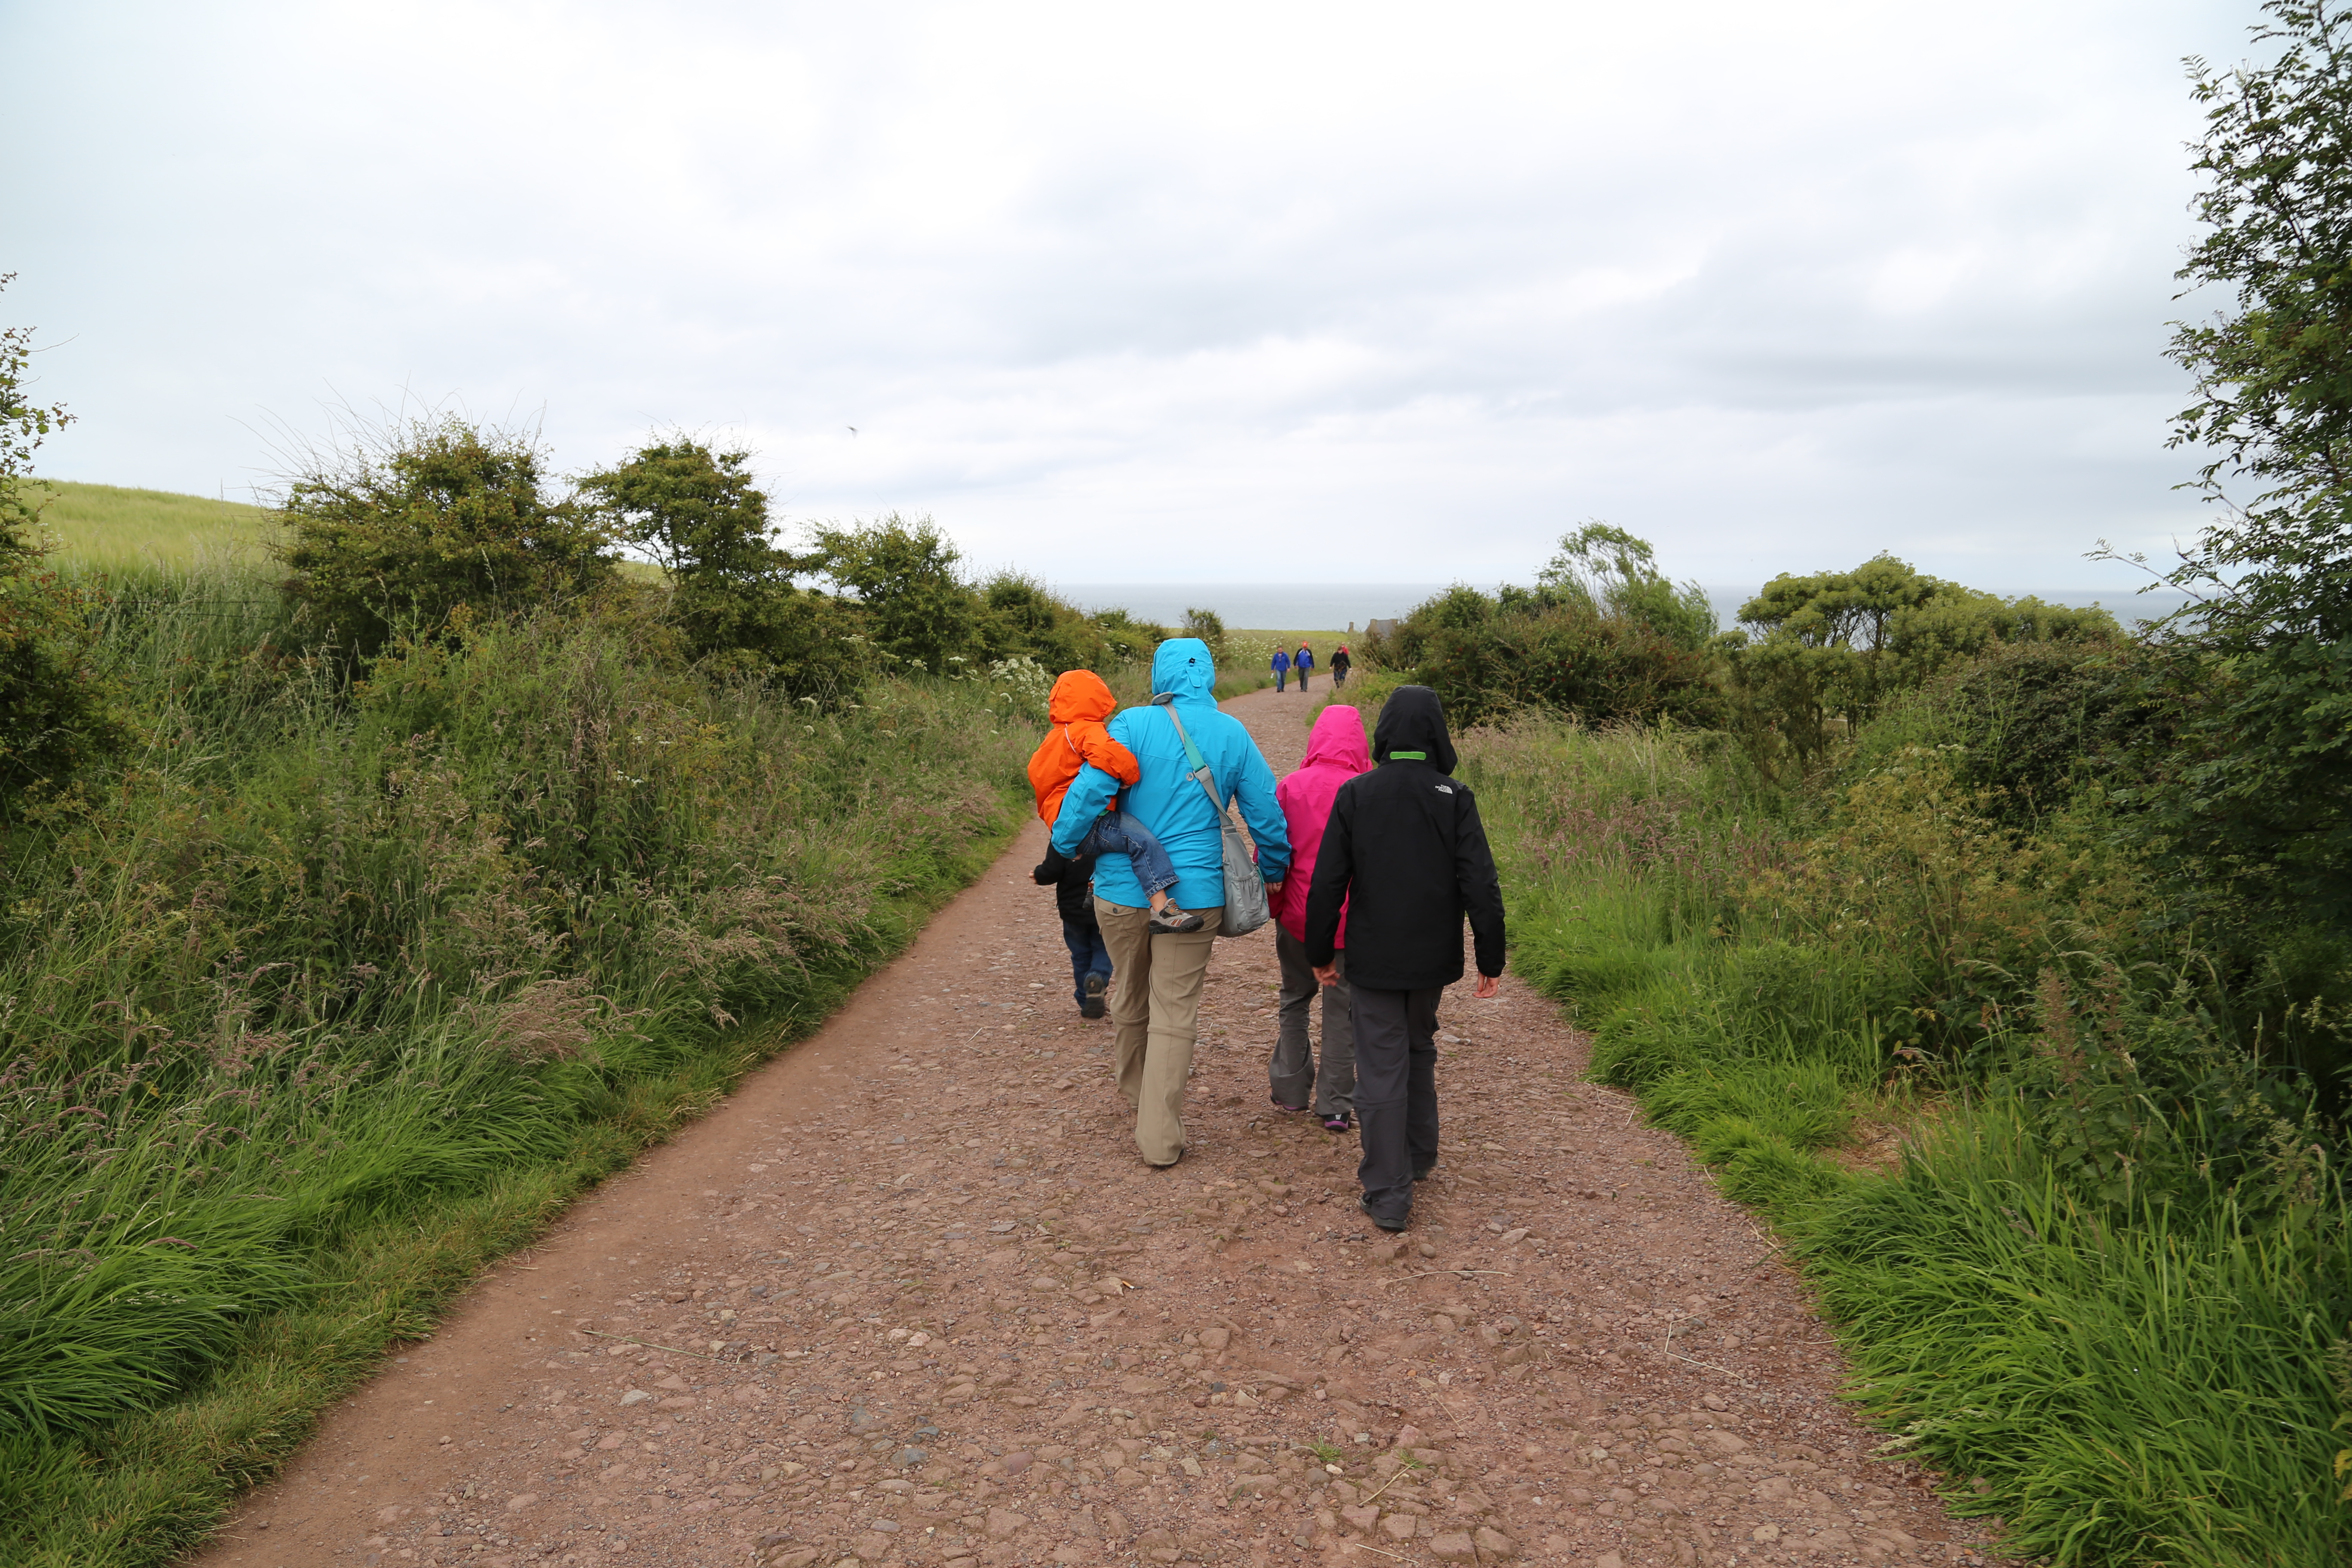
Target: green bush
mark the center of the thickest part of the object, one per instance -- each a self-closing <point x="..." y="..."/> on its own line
<point x="327" y="961"/>
<point x="412" y="528"/>
<point x="58" y="713"/>
<point x="918" y="610"/>
<point x="2031" y="725"/>
<point x="1607" y="572"/>
<point x="732" y="596"/>
<point x="1210" y="627"/>
<point x="1818" y="655"/>
<point x="1021" y="618"/>
<point x="1485" y="660"/>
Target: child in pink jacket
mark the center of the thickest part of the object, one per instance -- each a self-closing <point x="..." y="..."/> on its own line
<point x="1336" y="752"/>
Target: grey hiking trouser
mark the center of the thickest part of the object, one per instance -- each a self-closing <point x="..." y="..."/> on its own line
<point x="1291" y="1072"/>
<point x="1396" y="1094"/>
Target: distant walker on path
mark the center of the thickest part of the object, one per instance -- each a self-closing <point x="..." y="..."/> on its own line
<point x="1155" y="1010"/>
<point x="1281" y="667"/>
<point x="1406" y="855"/>
<point x="1303" y="661"/>
<point x="1340" y="665"/>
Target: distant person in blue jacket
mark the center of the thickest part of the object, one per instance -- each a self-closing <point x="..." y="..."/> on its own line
<point x="1281" y="667"/>
<point x="1303" y="661"/>
<point x="1155" y="1012"/>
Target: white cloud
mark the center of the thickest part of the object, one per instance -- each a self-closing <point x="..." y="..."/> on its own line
<point x="1380" y="292"/>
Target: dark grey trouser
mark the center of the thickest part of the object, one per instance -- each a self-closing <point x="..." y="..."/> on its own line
<point x="1396" y="1093"/>
<point x="1291" y="1072"/>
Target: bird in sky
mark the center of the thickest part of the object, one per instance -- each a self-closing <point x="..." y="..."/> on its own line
<point x="851" y="428"/>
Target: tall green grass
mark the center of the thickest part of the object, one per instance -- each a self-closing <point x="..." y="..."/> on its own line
<point x="2099" y="1291"/>
<point x="331" y="989"/>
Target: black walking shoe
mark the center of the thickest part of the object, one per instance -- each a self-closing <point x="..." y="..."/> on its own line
<point x="1338" y="1121"/>
<point x="1421" y="1172"/>
<point x="1391" y="1226"/>
<point x="1176" y="920"/>
<point x="1092" y="1004"/>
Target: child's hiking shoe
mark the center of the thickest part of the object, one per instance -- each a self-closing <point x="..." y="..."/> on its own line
<point x="1294" y="1109"/>
<point x="1175" y="921"/>
<point x="1421" y="1172"/>
<point x="1092" y="1006"/>
<point x="1338" y="1121"/>
<point x="1391" y="1226"/>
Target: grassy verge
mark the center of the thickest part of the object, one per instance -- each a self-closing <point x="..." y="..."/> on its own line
<point x="334" y="992"/>
<point x="2103" y="1282"/>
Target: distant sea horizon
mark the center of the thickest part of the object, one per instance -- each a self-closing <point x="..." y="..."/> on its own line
<point x="1342" y="606"/>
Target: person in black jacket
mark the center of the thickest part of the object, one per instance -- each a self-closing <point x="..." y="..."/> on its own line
<point x="1405" y="851"/>
<point x="1073" y="897"/>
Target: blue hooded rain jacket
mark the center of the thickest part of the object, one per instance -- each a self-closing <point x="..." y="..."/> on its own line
<point x="1168" y="801"/>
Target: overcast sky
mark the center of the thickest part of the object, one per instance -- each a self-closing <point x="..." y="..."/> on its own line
<point x="1355" y="293"/>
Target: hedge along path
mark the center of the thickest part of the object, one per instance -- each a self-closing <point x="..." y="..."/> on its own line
<point x="909" y="1299"/>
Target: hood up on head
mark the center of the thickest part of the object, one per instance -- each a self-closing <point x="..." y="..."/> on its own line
<point x="1413" y="720"/>
<point x="1185" y="667"/>
<point x="1080" y="695"/>
<point x="1338" y="740"/>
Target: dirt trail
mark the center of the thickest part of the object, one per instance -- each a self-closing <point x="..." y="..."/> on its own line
<point x="909" y="1299"/>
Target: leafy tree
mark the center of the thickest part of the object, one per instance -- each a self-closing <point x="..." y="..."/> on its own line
<point x="1559" y="646"/>
<point x="732" y="596"/>
<point x="1611" y="572"/>
<point x="1128" y="636"/>
<point x="2268" y="800"/>
<point x="1819" y="655"/>
<point x="24" y="425"/>
<point x="416" y="523"/>
<point x="693" y="509"/>
<point x="57" y="712"/>
<point x="917" y="606"/>
<point x="1021" y="616"/>
<point x="1210" y="627"/>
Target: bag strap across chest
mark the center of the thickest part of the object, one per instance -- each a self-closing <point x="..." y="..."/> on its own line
<point x="1201" y="772"/>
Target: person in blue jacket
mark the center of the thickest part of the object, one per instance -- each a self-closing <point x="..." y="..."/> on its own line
<point x="1155" y="1012"/>
<point x="1303" y="661"/>
<point x="1281" y="667"/>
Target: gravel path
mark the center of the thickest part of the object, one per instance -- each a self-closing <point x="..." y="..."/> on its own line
<point x="909" y="1299"/>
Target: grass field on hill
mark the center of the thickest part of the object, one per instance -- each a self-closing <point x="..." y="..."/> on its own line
<point x="117" y="528"/>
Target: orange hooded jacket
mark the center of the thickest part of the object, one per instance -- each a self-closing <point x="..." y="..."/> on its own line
<point x="1079" y="705"/>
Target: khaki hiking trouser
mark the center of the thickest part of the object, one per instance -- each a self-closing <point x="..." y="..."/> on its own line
<point x="1155" y="1013"/>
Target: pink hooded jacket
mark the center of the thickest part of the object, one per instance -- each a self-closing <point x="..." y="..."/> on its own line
<point x="1336" y="752"/>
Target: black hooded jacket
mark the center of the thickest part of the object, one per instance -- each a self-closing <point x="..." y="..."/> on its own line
<point x="1405" y="848"/>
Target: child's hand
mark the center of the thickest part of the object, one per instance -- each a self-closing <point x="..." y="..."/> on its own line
<point x="1487" y="985"/>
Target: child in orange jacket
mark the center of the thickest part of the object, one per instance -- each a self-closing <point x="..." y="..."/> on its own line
<point x="1080" y="704"/>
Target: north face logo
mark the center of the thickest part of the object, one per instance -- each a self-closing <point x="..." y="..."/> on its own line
<point x="1445" y="789"/>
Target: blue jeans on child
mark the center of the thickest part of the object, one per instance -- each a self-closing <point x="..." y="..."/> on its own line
<point x="1088" y="955"/>
<point x="1117" y="833"/>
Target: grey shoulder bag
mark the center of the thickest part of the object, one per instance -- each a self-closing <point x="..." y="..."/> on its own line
<point x="1246" y="906"/>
